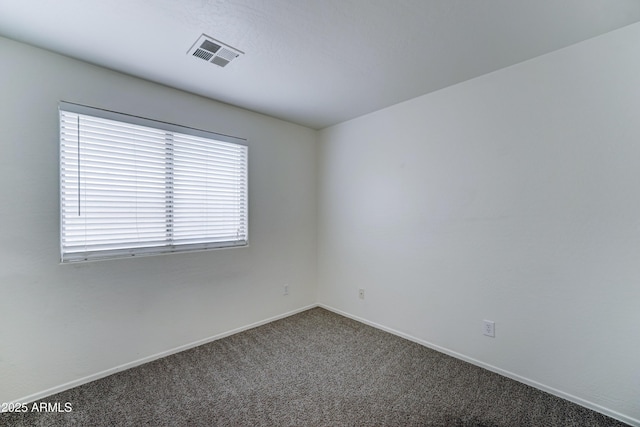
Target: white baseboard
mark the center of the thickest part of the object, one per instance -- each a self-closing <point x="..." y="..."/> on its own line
<point x="577" y="400"/>
<point x="75" y="383"/>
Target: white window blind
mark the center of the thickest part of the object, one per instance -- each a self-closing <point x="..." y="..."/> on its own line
<point x="132" y="186"/>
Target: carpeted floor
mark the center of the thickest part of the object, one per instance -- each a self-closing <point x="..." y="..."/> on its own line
<point x="312" y="369"/>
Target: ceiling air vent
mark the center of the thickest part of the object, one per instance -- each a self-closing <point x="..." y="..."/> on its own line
<point x="214" y="51"/>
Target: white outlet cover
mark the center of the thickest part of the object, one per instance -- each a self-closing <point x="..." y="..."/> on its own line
<point x="489" y="328"/>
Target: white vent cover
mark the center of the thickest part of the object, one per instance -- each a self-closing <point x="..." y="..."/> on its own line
<point x="214" y="51"/>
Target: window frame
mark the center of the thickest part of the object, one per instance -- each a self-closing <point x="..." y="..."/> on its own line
<point x="94" y="255"/>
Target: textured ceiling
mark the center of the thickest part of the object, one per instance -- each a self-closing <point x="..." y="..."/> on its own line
<point x="313" y="62"/>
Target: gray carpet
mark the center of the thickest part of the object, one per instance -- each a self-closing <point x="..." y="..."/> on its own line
<point x="312" y="369"/>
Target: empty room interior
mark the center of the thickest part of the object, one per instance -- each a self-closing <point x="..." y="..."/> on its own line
<point x="463" y="175"/>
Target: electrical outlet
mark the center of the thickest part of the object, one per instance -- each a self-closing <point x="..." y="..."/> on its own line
<point x="361" y="293"/>
<point x="285" y="290"/>
<point x="489" y="328"/>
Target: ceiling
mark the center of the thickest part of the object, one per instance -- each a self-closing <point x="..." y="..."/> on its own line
<point x="312" y="62"/>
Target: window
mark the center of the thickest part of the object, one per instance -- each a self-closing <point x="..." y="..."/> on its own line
<point x="131" y="186"/>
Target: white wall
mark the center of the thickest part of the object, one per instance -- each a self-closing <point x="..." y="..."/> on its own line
<point x="63" y="323"/>
<point x="513" y="197"/>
